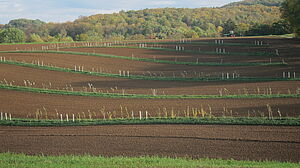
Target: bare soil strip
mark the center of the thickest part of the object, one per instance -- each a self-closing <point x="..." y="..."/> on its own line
<point x="24" y="105"/>
<point x="43" y="78"/>
<point x="111" y="65"/>
<point x="238" y="142"/>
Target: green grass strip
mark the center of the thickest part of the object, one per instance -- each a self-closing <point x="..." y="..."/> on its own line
<point x="143" y="121"/>
<point x="141" y="77"/>
<point x="86" y="161"/>
<point x="143" y="96"/>
<point x="152" y="60"/>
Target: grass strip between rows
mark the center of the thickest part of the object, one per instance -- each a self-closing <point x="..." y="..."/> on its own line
<point x="141" y="77"/>
<point x="152" y="60"/>
<point x="151" y="121"/>
<point x="143" y="96"/>
<point x="41" y="161"/>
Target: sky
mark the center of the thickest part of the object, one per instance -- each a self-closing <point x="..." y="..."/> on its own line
<point x="69" y="10"/>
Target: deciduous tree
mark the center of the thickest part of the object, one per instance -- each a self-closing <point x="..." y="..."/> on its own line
<point x="12" y="35"/>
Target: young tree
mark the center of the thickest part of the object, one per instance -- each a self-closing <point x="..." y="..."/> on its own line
<point x="12" y="35"/>
<point x="291" y="11"/>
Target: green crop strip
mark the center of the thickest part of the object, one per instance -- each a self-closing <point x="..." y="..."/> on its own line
<point x="152" y="60"/>
<point x="141" y="77"/>
<point x="86" y="161"/>
<point x="144" y="121"/>
<point x="144" y="96"/>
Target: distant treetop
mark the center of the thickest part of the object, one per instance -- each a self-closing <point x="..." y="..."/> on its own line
<point x="256" y="2"/>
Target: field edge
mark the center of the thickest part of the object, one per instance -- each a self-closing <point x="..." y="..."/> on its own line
<point x="22" y="160"/>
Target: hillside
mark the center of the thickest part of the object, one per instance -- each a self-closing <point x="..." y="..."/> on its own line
<point x="256" y="2"/>
<point x="158" y="23"/>
<point x="174" y="22"/>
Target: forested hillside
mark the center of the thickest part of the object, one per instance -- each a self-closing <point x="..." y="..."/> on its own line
<point x="249" y="17"/>
<point x="257" y="2"/>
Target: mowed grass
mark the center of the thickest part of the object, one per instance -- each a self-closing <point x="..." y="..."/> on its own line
<point x="26" y="161"/>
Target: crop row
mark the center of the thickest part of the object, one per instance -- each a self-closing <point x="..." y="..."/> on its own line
<point x="143" y="77"/>
<point x="180" y="120"/>
<point x="144" y="96"/>
<point x="181" y="41"/>
<point x="196" y="63"/>
<point x="215" y="43"/>
<point x="185" y="51"/>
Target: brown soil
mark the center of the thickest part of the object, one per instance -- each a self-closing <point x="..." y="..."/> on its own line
<point x="176" y="56"/>
<point x="115" y="85"/>
<point x="23" y="104"/>
<point x="113" y="65"/>
<point x="237" y="142"/>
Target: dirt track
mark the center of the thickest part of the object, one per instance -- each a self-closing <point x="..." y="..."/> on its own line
<point x="237" y="142"/>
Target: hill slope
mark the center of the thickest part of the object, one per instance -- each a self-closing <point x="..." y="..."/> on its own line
<point x="257" y="2"/>
<point x="159" y="23"/>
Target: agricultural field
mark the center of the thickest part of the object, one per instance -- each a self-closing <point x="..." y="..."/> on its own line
<point x="230" y="98"/>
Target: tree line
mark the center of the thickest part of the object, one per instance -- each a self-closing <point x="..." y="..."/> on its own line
<point x="249" y="17"/>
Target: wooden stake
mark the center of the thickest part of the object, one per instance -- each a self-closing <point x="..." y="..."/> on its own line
<point x="140" y="115"/>
<point x="277" y="52"/>
<point x="294" y="74"/>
